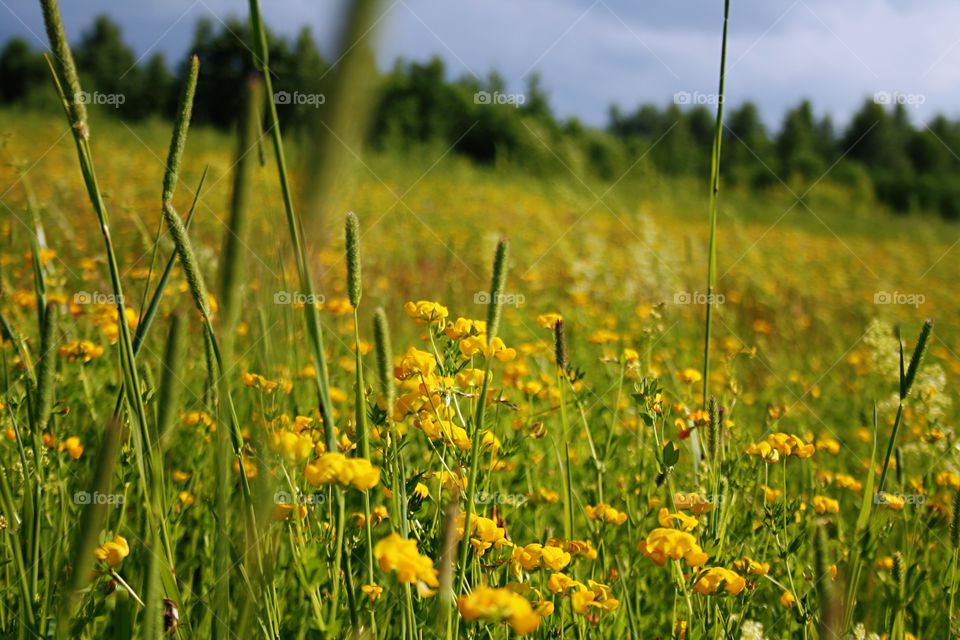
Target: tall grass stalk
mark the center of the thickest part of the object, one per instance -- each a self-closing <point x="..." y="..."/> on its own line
<point x="235" y="235"/>
<point x="560" y="351"/>
<point x="311" y="315"/>
<point x="67" y="84"/>
<point x="66" y="79"/>
<point x="355" y="291"/>
<point x="907" y="378"/>
<point x="215" y="364"/>
<point x="493" y="324"/>
<point x="714" y="206"/>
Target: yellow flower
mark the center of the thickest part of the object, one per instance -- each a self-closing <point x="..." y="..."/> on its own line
<point x="470" y="378"/>
<point x="421" y="491"/>
<point x="416" y="363"/>
<point x="558" y="582"/>
<point x="474" y="345"/>
<point x="257" y="381"/>
<point x="828" y="444"/>
<point x="544" y="608"/>
<point x="335" y="467"/>
<point x="294" y="447"/>
<point x="73" y="447"/>
<point x="582" y="548"/>
<point x="548" y="320"/>
<point x="499" y="605"/>
<point x="373" y="591"/>
<point x="534" y="555"/>
<point x="752" y="567"/>
<point x="605" y="514"/>
<point x="787" y="600"/>
<point x="485" y="533"/>
<point x="596" y="596"/>
<point x="663" y="543"/>
<point x="891" y="501"/>
<point x="770" y="495"/>
<point x="464" y="327"/>
<point x="425" y="312"/>
<point x="338" y="306"/>
<point x="685" y="522"/>
<point x="689" y="376"/>
<point x="527" y="556"/>
<point x="443" y="429"/>
<point x="395" y="553"/>
<point x="82" y="350"/>
<point x="948" y="479"/>
<point x="113" y="552"/>
<point x="823" y="504"/>
<point x="713" y="579"/>
<point x="554" y="558"/>
<point x="692" y="502"/>
<point x="194" y="418"/>
<point x="283" y="510"/>
<point x="845" y="481"/>
<point x="778" y="445"/>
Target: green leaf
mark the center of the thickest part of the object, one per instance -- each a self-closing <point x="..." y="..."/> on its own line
<point x="671" y="454"/>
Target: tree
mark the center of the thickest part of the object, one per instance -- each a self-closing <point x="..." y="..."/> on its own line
<point x="21" y="68"/>
<point x="747" y="148"/>
<point x="797" y="148"/>
<point x="106" y="63"/>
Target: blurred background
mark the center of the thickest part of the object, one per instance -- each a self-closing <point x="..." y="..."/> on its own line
<point x="861" y="95"/>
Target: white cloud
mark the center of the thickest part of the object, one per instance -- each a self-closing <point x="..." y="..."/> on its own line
<point x="594" y="53"/>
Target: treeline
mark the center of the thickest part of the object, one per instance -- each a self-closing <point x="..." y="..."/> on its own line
<point x="881" y="151"/>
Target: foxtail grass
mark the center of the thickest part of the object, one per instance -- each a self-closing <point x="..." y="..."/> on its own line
<point x="68" y="88"/>
<point x="560" y="354"/>
<point x="354" y="292"/>
<point x="497" y="284"/>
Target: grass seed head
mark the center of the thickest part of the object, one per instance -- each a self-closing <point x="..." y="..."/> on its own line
<point x="381" y="338"/>
<point x="354" y="283"/>
<point x="907" y="380"/>
<point x="955" y="522"/>
<point x="560" y="344"/>
<point x="496" y="288"/>
<point x="179" y="139"/>
<point x="64" y="65"/>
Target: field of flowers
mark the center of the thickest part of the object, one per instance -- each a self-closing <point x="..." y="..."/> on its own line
<point x="475" y="407"/>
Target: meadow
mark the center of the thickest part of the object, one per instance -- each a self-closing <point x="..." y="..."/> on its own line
<point x="474" y="407"/>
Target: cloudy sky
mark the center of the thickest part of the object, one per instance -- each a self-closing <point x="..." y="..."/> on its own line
<point x="593" y="53"/>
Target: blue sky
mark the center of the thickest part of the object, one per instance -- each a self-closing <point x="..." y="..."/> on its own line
<point x="592" y="53"/>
